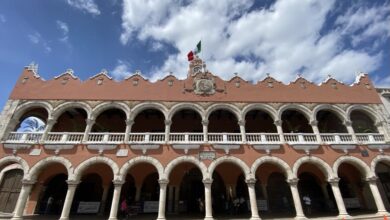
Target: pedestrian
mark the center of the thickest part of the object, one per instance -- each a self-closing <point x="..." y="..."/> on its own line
<point x="124" y="208"/>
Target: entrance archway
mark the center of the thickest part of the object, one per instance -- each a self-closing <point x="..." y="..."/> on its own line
<point x="53" y="195"/>
<point x="382" y="171"/>
<point x="10" y="187"/>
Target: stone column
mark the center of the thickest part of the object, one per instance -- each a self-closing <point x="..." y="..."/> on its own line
<point x="88" y="128"/>
<point x="205" y="124"/>
<point x="338" y="197"/>
<point x="377" y="196"/>
<point x="163" y="197"/>
<point x="115" y="199"/>
<point x="72" y="186"/>
<point x="167" y="130"/>
<point x="278" y="124"/>
<point x="22" y="199"/>
<point x="348" y="125"/>
<point x="103" y="200"/>
<point x="207" y="197"/>
<point x="49" y="125"/>
<point x="241" y="123"/>
<point x="129" y="124"/>
<point x="316" y="131"/>
<point x="252" y="198"/>
<point x="297" y="200"/>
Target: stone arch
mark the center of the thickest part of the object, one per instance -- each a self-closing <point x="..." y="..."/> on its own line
<point x="369" y="111"/>
<point x="244" y="167"/>
<point x="359" y="164"/>
<point x="110" y="105"/>
<point x="300" y="108"/>
<point x="63" y="107"/>
<point x="15" y="159"/>
<point x="262" y="107"/>
<point x="20" y="110"/>
<point x="176" y="108"/>
<point x="378" y="159"/>
<point x="229" y="107"/>
<point x="322" y="165"/>
<point x="272" y="160"/>
<point x="183" y="159"/>
<point x="141" y="159"/>
<point x="332" y="108"/>
<point x="34" y="172"/>
<point x="94" y="160"/>
<point x="148" y="105"/>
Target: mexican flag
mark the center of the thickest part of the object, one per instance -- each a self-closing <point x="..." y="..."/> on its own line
<point x="195" y="51"/>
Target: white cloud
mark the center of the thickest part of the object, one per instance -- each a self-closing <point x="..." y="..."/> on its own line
<point x="283" y="39"/>
<point x="65" y="30"/>
<point x="88" y="6"/>
<point x="36" y="38"/>
<point x="2" y="18"/>
<point x="121" y="70"/>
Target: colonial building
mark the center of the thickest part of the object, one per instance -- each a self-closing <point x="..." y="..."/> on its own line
<point x="199" y="148"/>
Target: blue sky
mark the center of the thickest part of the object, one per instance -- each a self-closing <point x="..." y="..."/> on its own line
<point x="251" y="38"/>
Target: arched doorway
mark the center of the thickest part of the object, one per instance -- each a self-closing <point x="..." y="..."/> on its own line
<point x="53" y="195"/>
<point x="10" y="187"/>
<point x="382" y="171"/>
<point x="191" y="193"/>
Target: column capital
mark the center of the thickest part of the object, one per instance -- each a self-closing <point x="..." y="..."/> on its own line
<point x="118" y="182"/>
<point x="278" y="122"/>
<point x="241" y="122"/>
<point x="371" y="179"/>
<point x="205" y="122"/>
<point x="293" y="181"/>
<point x="207" y="181"/>
<point x="163" y="182"/>
<point x="313" y="122"/>
<point x="334" y="181"/>
<point x="129" y="122"/>
<point x="90" y="121"/>
<point x="26" y="182"/>
<point x="72" y="182"/>
<point x="379" y="123"/>
<point x="347" y="122"/>
<point x="251" y="181"/>
<point x="168" y="122"/>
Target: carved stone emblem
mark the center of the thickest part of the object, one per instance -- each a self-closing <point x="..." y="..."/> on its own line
<point x="204" y="85"/>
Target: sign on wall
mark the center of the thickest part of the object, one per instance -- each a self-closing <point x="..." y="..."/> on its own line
<point x="207" y="155"/>
<point x="88" y="207"/>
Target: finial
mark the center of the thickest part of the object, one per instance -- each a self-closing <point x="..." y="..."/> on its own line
<point x="104" y="71"/>
<point x="70" y="71"/>
<point x="138" y="72"/>
<point x="33" y="67"/>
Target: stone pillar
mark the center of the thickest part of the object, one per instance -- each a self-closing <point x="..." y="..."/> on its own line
<point x="115" y="199"/>
<point x="88" y="128"/>
<point x="316" y="131"/>
<point x="22" y="199"/>
<point x="297" y="200"/>
<point x="252" y="198"/>
<point x="377" y="196"/>
<point x="241" y="123"/>
<point x="207" y="197"/>
<point x="167" y="130"/>
<point x="205" y="124"/>
<point x="49" y="125"/>
<point x="338" y="197"/>
<point x="348" y="125"/>
<point x="129" y="124"/>
<point x="72" y="186"/>
<point x="163" y="197"/>
<point x="103" y="200"/>
<point x="278" y="124"/>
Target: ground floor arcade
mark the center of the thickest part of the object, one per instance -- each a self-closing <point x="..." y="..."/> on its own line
<point x="226" y="188"/>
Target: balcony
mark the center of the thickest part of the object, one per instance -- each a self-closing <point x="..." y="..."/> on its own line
<point x="302" y="141"/>
<point x="264" y="141"/>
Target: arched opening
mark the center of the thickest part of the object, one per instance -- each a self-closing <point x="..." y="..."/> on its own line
<point x="141" y="192"/>
<point x="382" y="171"/>
<point x="316" y="194"/>
<point x="355" y="191"/>
<point x="111" y="120"/>
<point x="183" y="118"/>
<point x="223" y="121"/>
<point x="52" y="196"/>
<point x="71" y="120"/>
<point x="295" y="122"/>
<point x="257" y="121"/>
<point x="33" y="120"/>
<point x="10" y="186"/>
<point x="362" y="123"/>
<point x="229" y="192"/>
<point x="149" y="120"/>
<point x="273" y="192"/>
<point x="329" y="122"/>
<point x="94" y="193"/>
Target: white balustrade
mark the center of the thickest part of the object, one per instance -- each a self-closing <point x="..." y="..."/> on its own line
<point x="106" y="138"/>
<point x="24" y="137"/>
<point x="370" y="138"/>
<point x="64" y="138"/>
<point x="339" y="141"/>
<point x="225" y="138"/>
<point x="146" y="138"/>
<point x="262" y="138"/>
<point x="186" y="138"/>
<point x="302" y="141"/>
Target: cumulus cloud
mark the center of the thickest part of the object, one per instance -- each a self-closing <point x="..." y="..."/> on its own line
<point x="36" y="38"/>
<point x="88" y="6"/>
<point x="64" y="29"/>
<point x="121" y="70"/>
<point x="284" y="39"/>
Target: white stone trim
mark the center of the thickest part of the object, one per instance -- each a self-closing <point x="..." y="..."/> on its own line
<point x="229" y="107"/>
<point x="367" y="110"/>
<point x="148" y="105"/>
<point x="17" y="160"/>
<point x="37" y="168"/>
<point x="359" y="164"/>
<point x="378" y="159"/>
<point x="189" y="159"/>
<point x="180" y="106"/>
<point x="275" y="161"/>
<point x="226" y="159"/>
<point x="340" y="113"/>
<point x="21" y="109"/>
<point x="71" y="105"/>
<point x="261" y="107"/>
<point x="141" y="159"/>
<point x="321" y="164"/>
<point x="99" y="109"/>
<point x="298" y="107"/>
<point x="78" y="172"/>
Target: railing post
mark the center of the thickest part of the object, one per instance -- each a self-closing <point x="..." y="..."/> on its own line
<point x="278" y="124"/>
<point x="106" y="137"/>
<point x="224" y="138"/>
<point x="64" y="138"/>
<point x="147" y="138"/>
<point x="186" y="138"/>
<point x="263" y="138"/>
<point x="371" y="138"/>
<point x="301" y="139"/>
<point x="88" y="128"/>
<point x="205" y="124"/>
<point x="337" y="138"/>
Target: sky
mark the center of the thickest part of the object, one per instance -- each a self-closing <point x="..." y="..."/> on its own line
<point x="313" y="38"/>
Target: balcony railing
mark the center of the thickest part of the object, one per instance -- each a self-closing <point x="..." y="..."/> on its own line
<point x="224" y="138"/>
<point x="263" y="138"/>
<point x="64" y="138"/>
